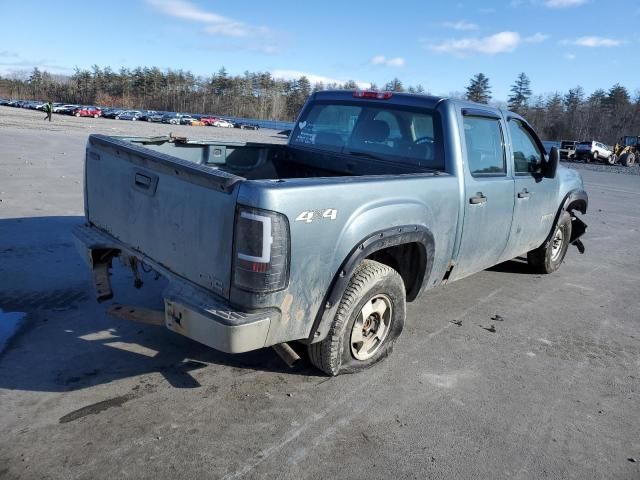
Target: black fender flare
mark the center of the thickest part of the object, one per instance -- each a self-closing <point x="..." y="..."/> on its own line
<point x="376" y="241"/>
<point x="581" y="199"/>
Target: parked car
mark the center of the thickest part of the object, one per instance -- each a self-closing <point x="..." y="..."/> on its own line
<point x="145" y="115"/>
<point x="568" y="149"/>
<point x="246" y="126"/>
<point x="157" y="117"/>
<point x="208" y="120"/>
<point x="65" y="109"/>
<point x="129" y="115"/>
<point x="112" y="112"/>
<point x="329" y="260"/>
<point x="172" y="118"/>
<point x="595" y="151"/>
<point x="187" y="120"/>
<point x="86" y="111"/>
<point x="221" y="122"/>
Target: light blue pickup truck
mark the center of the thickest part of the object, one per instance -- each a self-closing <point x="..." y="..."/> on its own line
<point x="376" y="197"/>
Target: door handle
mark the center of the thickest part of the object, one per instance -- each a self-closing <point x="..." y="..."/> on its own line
<point x="524" y="194"/>
<point x="478" y="198"/>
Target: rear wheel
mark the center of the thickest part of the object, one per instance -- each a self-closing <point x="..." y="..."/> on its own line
<point x="368" y="320"/>
<point x="548" y="256"/>
<point x="596" y="157"/>
<point x="612" y="159"/>
<point x="77" y="115"/>
<point x="95" y="115"/>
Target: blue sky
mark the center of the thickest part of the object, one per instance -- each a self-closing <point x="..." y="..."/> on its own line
<point x="558" y="43"/>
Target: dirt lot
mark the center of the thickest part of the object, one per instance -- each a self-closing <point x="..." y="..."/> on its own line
<point x="552" y="393"/>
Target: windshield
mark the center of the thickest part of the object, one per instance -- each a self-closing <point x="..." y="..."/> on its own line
<point x="391" y="133"/>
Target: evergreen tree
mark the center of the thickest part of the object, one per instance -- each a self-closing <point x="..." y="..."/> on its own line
<point x="479" y="89"/>
<point x="520" y="94"/>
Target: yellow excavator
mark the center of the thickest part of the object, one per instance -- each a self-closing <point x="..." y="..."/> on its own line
<point x="627" y="150"/>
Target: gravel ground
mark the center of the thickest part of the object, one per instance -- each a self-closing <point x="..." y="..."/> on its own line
<point x="601" y="167"/>
<point x="553" y="392"/>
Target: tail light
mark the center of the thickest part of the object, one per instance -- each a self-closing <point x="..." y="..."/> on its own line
<point x="260" y="250"/>
<point x="372" y="94"/>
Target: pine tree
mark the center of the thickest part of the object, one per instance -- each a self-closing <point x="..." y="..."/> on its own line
<point x="394" y="85"/>
<point x="479" y="89"/>
<point x="520" y="94"/>
<point x="573" y="99"/>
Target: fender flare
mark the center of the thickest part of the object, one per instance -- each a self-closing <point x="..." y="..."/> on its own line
<point x="575" y="195"/>
<point x="379" y="240"/>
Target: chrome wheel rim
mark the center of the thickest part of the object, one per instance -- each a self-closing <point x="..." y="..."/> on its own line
<point x="556" y="245"/>
<point x="371" y="327"/>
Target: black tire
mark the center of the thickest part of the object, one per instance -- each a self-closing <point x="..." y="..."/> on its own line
<point x="628" y="159"/>
<point x="596" y="157"/>
<point x="613" y="158"/>
<point x="546" y="258"/>
<point x="370" y="281"/>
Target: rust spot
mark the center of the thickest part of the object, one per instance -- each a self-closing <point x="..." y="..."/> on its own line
<point x="285" y="306"/>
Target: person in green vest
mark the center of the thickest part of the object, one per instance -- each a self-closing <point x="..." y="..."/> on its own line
<point x="48" y="108"/>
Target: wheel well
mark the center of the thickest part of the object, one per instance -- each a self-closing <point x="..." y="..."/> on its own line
<point x="579" y="204"/>
<point x="409" y="260"/>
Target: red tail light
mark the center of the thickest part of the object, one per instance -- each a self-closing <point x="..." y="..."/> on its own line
<point x="372" y="94"/>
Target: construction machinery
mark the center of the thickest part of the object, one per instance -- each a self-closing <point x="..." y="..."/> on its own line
<point x="627" y="150"/>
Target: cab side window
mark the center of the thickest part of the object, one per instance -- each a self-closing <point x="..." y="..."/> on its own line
<point x="485" y="147"/>
<point x="527" y="156"/>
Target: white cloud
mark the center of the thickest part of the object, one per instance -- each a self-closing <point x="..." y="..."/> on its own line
<point x="214" y="24"/>
<point x="503" y="42"/>
<point x="537" y="38"/>
<point x="461" y="25"/>
<point x="313" y="78"/>
<point x="593" y="42"/>
<point x="564" y="3"/>
<point x="388" y="62"/>
<point x="570" y="56"/>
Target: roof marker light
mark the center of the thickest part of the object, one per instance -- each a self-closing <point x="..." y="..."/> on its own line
<point x="372" y="94"/>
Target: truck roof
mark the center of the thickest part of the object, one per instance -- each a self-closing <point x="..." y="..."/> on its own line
<point x="411" y="100"/>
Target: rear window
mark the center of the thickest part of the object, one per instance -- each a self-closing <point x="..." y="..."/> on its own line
<point x="382" y="132"/>
<point x="586" y="144"/>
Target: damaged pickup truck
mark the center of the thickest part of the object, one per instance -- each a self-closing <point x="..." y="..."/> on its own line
<point x="376" y="197"/>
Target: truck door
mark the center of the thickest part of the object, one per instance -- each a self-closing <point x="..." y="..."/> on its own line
<point x="535" y="197"/>
<point x="488" y="194"/>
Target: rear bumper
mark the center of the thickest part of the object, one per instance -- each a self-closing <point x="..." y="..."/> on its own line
<point x="189" y="309"/>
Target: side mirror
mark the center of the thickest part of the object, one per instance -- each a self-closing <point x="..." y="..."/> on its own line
<point x="550" y="166"/>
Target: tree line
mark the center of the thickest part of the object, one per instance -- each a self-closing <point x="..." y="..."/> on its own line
<point x="604" y="114"/>
<point x="251" y="95"/>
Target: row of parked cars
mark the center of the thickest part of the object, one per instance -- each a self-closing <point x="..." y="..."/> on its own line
<point x="173" y="118"/>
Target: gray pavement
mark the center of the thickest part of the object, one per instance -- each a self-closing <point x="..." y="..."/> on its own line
<point x="553" y="393"/>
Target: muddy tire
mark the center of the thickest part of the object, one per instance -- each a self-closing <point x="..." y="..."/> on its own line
<point x="368" y="320"/>
<point x="548" y="256"/>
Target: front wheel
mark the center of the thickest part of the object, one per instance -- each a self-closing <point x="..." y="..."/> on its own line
<point x="548" y="256"/>
<point x="612" y="159"/>
<point x="369" y="318"/>
<point x="628" y="159"/>
<point x="77" y="115"/>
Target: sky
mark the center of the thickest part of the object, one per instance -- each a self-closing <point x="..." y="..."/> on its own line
<point x="438" y="44"/>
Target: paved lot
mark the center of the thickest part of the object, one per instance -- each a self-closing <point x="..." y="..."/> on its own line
<point x="553" y="393"/>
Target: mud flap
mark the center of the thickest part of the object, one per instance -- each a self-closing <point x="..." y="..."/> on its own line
<point x="578" y="228"/>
